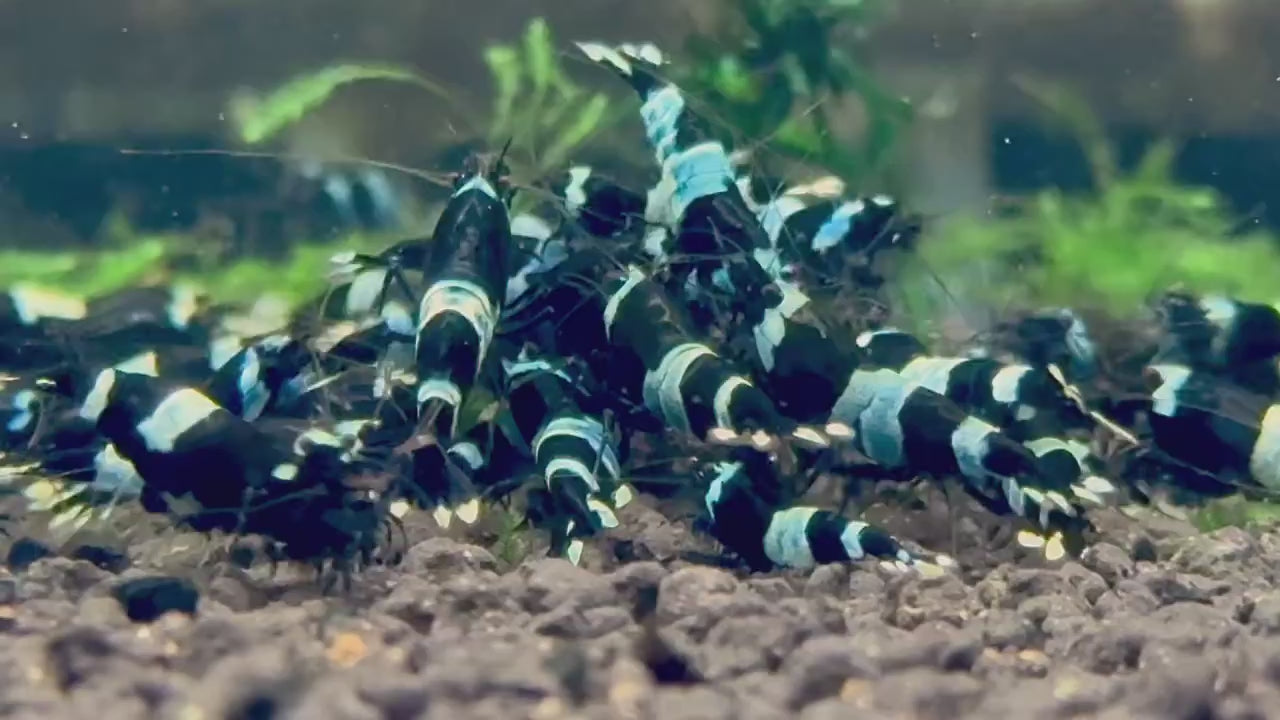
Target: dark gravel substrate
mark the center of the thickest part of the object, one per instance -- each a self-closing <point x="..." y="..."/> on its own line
<point x="1191" y="629"/>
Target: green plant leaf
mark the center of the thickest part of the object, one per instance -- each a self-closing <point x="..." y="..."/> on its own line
<point x="537" y="105"/>
<point x="589" y="119"/>
<point x="259" y="118"/>
<point x="478" y="402"/>
<point x="1156" y="165"/>
<point x="555" y="114"/>
<point x="540" y="56"/>
<point x="732" y="80"/>
<point x="505" y="68"/>
<point x="788" y="58"/>
<point x="116" y="268"/>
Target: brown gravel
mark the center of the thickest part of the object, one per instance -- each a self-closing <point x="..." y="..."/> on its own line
<point x="455" y="633"/>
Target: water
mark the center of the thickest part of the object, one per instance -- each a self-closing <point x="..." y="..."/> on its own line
<point x="164" y="69"/>
<point x="1031" y="146"/>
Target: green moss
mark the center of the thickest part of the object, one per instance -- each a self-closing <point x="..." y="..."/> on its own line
<point x="1236" y="511"/>
<point x="537" y="107"/>
<point x="512" y="544"/>
<point x="80" y="273"/>
<point x="303" y="274"/>
<point x="1138" y="234"/>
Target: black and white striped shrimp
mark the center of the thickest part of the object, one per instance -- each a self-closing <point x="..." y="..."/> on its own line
<point x="1220" y="429"/>
<point x="683" y="145"/>
<point x="767" y="536"/>
<point x="175" y="313"/>
<point x="538" y="250"/>
<point x="1214" y="333"/>
<point x="575" y="454"/>
<point x="83" y="476"/>
<point x="701" y="305"/>
<point x="171" y="330"/>
<point x="44" y="328"/>
<point x="363" y="199"/>
<point x="466" y="269"/>
<point x="900" y="423"/>
<point x="366" y="374"/>
<point x="1218" y="331"/>
<point x="638" y="226"/>
<point x="321" y="514"/>
<point x="824" y="240"/>
<point x="365" y="281"/>
<point x="658" y="362"/>
<point x="74" y="474"/>
<point x="1028" y="403"/>
<point x="449" y="478"/>
<point x="598" y="205"/>
<point x="39" y="326"/>
<point x="710" y="219"/>
<point x="269" y="373"/>
<point x="1056" y="336"/>
<point x="180" y="441"/>
<point x="214" y="470"/>
<point x="27" y="307"/>
<point x="1020" y="397"/>
<point x="363" y="284"/>
<point x="65" y="385"/>
<point x="20" y="410"/>
<point x="281" y="373"/>
<point x="713" y="207"/>
<point x="801" y="357"/>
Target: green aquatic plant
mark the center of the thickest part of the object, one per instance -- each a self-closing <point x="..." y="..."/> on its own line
<point x="83" y="273"/>
<point x="261" y="117"/>
<point x="512" y="542"/>
<point x="537" y="106"/>
<point x="1137" y="233"/>
<point x="773" y="68"/>
<point x="769" y="73"/>
<point x="1236" y="511"/>
<point x="302" y="274"/>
